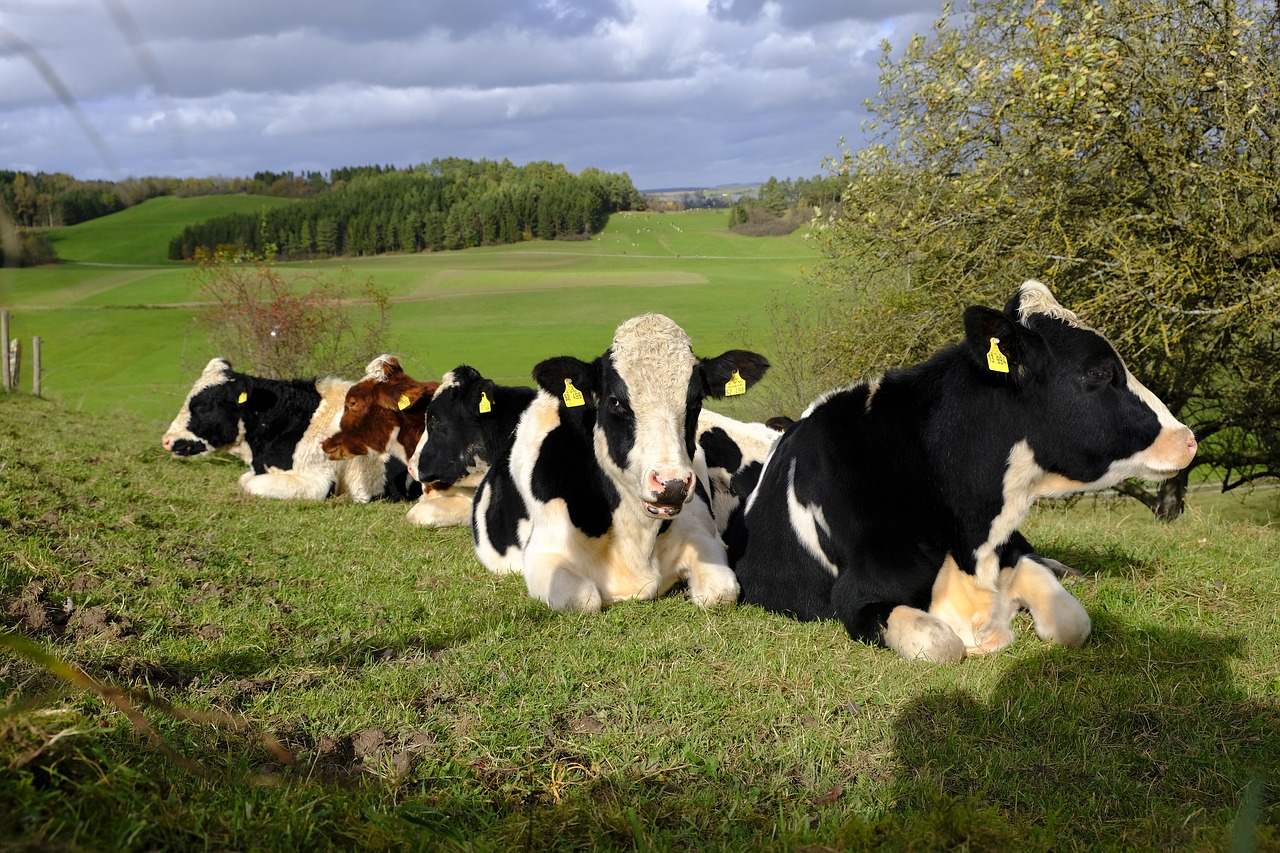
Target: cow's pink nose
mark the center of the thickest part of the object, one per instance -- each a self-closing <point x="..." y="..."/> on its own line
<point x="166" y="443"/>
<point x="668" y="489"/>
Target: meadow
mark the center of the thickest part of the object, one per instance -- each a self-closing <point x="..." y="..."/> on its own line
<point x="275" y="675"/>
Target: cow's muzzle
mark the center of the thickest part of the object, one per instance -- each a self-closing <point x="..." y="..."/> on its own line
<point x="667" y="496"/>
<point x="181" y="447"/>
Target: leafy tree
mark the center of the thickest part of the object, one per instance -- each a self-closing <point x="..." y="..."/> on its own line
<point x="1128" y="154"/>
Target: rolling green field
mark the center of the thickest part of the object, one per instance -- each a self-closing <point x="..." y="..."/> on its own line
<point x="185" y="667"/>
<point x="119" y="339"/>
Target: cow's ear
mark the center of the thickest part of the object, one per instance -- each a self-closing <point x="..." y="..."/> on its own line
<point x="254" y="399"/>
<point x="562" y="375"/>
<point x="399" y="398"/>
<point x="484" y="396"/>
<point x="997" y="343"/>
<point x="733" y="372"/>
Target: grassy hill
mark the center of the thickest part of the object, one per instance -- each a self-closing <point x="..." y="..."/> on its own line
<point x="329" y="677"/>
<point x="119" y="339"/>
<point x="140" y="235"/>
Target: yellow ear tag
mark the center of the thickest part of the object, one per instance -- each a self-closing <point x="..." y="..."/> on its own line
<point x="404" y="402"/>
<point x="244" y="395"/>
<point x="572" y="396"/>
<point x="995" y="359"/>
<point x="735" y="386"/>
<point x="485" y="406"/>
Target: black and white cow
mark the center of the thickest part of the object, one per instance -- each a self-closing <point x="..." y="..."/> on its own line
<point x="734" y="452"/>
<point x="892" y="505"/>
<point x="464" y="456"/>
<point x="604" y="460"/>
<point x="276" y="426"/>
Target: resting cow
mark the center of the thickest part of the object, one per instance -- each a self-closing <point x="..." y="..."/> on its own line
<point x="275" y="426"/>
<point x="892" y="505"/>
<point x="604" y="461"/>
<point x="384" y="414"/>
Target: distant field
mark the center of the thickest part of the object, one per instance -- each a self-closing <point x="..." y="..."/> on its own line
<point x="119" y="339"/>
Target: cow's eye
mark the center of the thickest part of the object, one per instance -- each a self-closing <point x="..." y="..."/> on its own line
<point x="617" y="406"/>
<point x="1099" y="375"/>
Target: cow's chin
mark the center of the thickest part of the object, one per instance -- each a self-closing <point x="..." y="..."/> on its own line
<point x="664" y="511"/>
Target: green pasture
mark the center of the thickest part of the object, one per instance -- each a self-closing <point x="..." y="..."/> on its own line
<point x="325" y="676"/>
<point x="119" y="338"/>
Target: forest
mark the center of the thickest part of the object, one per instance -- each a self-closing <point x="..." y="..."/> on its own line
<point x="444" y="204"/>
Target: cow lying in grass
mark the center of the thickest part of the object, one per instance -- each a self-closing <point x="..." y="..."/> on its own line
<point x="275" y="426"/>
<point x="892" y="505"/>
<point x="384" y="414"/>
<point x="604" y="462"/>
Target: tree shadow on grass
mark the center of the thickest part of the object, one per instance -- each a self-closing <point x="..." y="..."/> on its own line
<point x="1140" y="740"/>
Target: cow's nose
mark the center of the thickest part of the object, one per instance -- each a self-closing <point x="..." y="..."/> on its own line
<point x="666" y="489"/>
<point x="167" y="442"/>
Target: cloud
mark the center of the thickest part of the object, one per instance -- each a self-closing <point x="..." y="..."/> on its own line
<point x="185" y="118"/>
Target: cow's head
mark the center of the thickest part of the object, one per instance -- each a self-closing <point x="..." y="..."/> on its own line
<point x="452" y="450"/>
<point x="371" y="410"/>
<point x="212" y="415"/>
<point x="644" y="396"/>
<point x="1088" y="422"/>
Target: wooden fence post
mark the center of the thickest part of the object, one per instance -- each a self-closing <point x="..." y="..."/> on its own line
<point x="35" y="365"/>
<point x="4" y="347"/>
<point x="15" y="364"/>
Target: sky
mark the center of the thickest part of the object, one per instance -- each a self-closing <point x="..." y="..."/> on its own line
<point x="676" y="93"/>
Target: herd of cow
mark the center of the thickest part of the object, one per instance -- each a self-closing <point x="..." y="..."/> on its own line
<point x="891" y="505"/>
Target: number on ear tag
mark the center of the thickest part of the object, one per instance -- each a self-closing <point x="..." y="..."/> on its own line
<point x="735" y="386"/>
<point x="995" y="359"/>
<point x="572" y="396"/>
<point x="404" y="402"/>
<point x="485" y="406"/>
<point x="244" y="395"/>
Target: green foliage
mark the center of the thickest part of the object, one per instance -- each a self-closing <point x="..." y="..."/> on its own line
<point x="422" y="702"/>
<point x="445" y="204"/>
<point x="282" y="326"/>
<point x="1127" y="153"/>
<point x="29" y="249"/>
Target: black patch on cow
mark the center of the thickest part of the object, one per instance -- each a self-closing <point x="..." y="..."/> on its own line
<point x="505" y="509"/>
<point x="719" y="450"/>
<point x="566" y="468"/>
<point x="276" y="414"/>
<point x="458" y="433"/>
<point x="744" y="480"/>
<point x="187" y="447"/>
<point x="664" y="526"/>
<point x="615" y="416"/>
<point x="397" y="485"/>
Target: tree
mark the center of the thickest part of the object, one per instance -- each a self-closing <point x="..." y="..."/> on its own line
<point x="1128" y="154"/>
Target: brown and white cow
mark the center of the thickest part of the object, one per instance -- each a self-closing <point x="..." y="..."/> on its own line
<point x="893" y="504"/>
<point x="384" y="414"/>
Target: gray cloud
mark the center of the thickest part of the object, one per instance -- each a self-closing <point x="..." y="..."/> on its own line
<point x="675" y="92"/>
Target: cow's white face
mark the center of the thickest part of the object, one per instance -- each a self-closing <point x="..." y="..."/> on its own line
<point x="651" y="393"/>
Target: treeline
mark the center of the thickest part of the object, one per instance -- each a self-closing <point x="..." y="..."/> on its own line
<point x="47" y="200"/>
<point x="444" y="204"/>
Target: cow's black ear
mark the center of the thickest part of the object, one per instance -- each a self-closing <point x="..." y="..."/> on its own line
<point x="553" y="374"/>
<point x="254" y="399"/>
<point x="733" y="372"/>
<point x="998" y="343"/>
<point x="485" y="396"/>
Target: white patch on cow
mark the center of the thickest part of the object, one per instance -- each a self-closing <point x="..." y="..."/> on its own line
<point x="447" y="508"/>
<point x="873" y="385"/>
<point x="806" y="521"/>
<point x="916" y="635"/>
<point x="1035" y="298"/>
<point x="216" y="372"/>
<point x="506" y="562"/>
<point x="754" y="441"/>
<point x="380" y="368"/>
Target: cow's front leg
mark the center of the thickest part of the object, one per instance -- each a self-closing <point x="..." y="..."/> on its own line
<point x="705" y="568"/>
<point x="440" y="509"/>
<point x="286" y="484"/>
<point x="550" y="578"/>
<point x="1057" y="615"/>
<point x="979" y="617"/>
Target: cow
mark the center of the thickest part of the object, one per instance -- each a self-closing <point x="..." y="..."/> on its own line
<point x="385" y="414"/>
<point x="604" y="460"/>
<point x="276" y="427"/>
<point x="734" y="452"/>
<point x="892" y="505"/>
<point x="465" y="458"/>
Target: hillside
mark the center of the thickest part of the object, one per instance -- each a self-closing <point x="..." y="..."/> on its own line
<point x="140" y="234"/>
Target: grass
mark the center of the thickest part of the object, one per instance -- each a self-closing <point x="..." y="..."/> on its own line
<point x="427" y="704"/>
